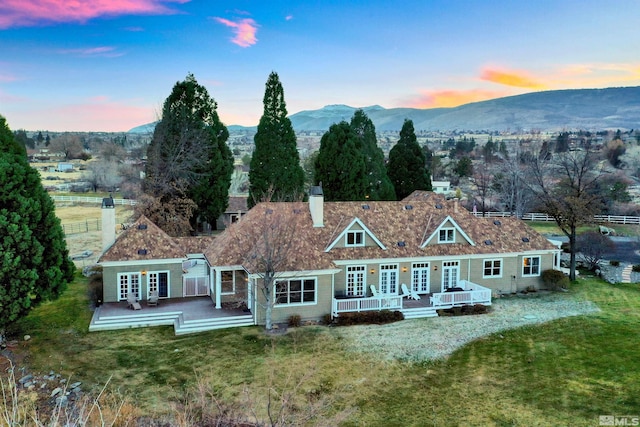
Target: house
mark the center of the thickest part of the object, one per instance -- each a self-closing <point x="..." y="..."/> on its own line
<point x="441" y="187"/>
<point x="236" y="208"/>
<point x="330" y="258"/>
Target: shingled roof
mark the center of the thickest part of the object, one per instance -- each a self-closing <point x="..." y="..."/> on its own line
<point x="143" y="240"/>
<point x="401" y="227"/>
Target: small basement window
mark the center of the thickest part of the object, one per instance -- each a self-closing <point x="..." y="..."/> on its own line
<point x="366" y="207"/>
<point x="142" y="251"/>
<point x="497" y="222"/>
<point x="525" y="239"/>
<point x="401" y="244"/>
<point x="142" y="226"/>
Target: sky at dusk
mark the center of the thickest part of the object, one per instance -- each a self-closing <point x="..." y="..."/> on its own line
<point x="108" y="65"/>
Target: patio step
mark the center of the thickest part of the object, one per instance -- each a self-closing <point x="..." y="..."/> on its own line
<point x="418" y="313"/>
<point x="106" y="323"/>
<point x="182" y="326"/>
<point x="171" y="318"/>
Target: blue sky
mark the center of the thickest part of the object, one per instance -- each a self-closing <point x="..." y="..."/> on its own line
<point x="108" y="65"/>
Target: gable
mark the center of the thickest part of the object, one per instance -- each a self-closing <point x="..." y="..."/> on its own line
<point x="356" y="234"/>
<point x="448" y="232"/>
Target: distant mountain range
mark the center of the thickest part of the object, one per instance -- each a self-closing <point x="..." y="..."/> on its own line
<point x="590" y="109"/>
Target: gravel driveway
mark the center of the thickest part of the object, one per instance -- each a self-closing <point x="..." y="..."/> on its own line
<point x="433" y="338"/>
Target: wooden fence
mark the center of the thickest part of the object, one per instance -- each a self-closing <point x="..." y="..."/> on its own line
<point x="83" y="199"/>
<point x="613" y="219"/>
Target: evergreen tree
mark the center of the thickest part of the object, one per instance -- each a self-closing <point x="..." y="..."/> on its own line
<point x="406" y="166"/>
<point x="34" y="261"/>
<point x="188" y="157"/>
<point x="379" y="186"/>
<point x="275" y="172"/>
<point x="340" y="166"/>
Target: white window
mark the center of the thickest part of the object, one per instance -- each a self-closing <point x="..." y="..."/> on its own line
<point x="492" y="268"/>
<point x="531" y="266"/>
<point x="447" y="235"/>
<point x="356" y="280"/>
<point x="295" y="291"/>
<point x="128" y="283"/>
<point x="420" y="277"/>
<point x="354" y="238"/>
<point x="158" y="281"/>
<point x="389" y="279"/>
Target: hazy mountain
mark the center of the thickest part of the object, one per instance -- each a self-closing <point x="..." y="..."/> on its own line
<point x="612" y="108"/>
<point x="617" y="108"/>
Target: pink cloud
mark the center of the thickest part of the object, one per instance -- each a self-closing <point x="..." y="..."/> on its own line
<point x="452" y="97"/>
<point x="21" y="13"/>
<point x="98" y="113"/>
<point x="244" y="29"/>
<point x="107" y="51"/>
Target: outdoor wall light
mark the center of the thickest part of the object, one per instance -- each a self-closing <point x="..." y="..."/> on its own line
<point x="435" y="268"/>
<point x="404" y="269"/>
<point x="373" y="270"/>
<point x="144" y="272"/>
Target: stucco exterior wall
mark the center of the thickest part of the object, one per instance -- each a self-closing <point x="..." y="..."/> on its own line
<point x="110" y="279"/>
<point x="281" y="313"/>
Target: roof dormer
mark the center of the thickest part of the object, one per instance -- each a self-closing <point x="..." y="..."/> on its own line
<point x="355" y="235"/>
<point x="448" y="232"/>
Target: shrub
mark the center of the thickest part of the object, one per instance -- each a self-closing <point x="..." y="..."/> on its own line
<point x="554" y="279"/>
<point x="614" y="263"/>
<point x="294" y="320"/>
<point x="369" y="317"/>
<point x="566" y="247"/>
<point x="327" y="319"/>
<point x="636" y="268"/>
<point x="94" y="289"/>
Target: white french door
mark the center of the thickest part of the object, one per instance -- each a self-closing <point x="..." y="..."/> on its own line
<point x="158" y="281"/>
<point x="450" y="274"/>
<point x="389" y="279"/>
<point x="128" y="283"/>
<point x="420" y="278"/>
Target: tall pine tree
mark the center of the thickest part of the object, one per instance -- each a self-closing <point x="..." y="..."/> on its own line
<point x="406" y="167"/>
<point x="340" y="165"/>
<point x="188" y="157"/>
<point x="34" y="260"/>
<point x="379" y="186"/>
<point x="275" y="171"/>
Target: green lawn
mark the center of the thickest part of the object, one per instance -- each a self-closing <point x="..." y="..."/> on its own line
<point x="566" y="372"/>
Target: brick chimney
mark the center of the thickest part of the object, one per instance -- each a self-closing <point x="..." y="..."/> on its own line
<point x="316" y="205"/>
<point x="108" y="223"/>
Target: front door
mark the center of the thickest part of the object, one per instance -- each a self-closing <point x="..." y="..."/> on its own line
<point x="450" y="274"/>
<point x="420" y="278"/>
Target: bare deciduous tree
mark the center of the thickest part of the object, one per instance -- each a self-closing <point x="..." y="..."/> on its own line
<point x="273" y="241"/>
<point x="566" y="186"/>
<point x="171" y="214"/>
<point x="510" y="185"/>
<point x="69" y="145"/>
<point x="593" y="246"/>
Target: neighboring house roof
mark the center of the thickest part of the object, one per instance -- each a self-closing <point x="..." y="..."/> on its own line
<point x="401" y="230"/>
<point x="237" y="204"/>
<point x="143" y="240"/>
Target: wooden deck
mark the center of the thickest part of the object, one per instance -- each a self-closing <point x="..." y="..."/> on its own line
<point x="187" y="315"/>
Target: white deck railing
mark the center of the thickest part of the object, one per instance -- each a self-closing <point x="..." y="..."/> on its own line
<point x="472" y="294"/>
<point x="382" y="302"/>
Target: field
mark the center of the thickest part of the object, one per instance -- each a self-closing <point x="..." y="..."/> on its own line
<point x="71" y="214"/>
<point x="564" y="372"/>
